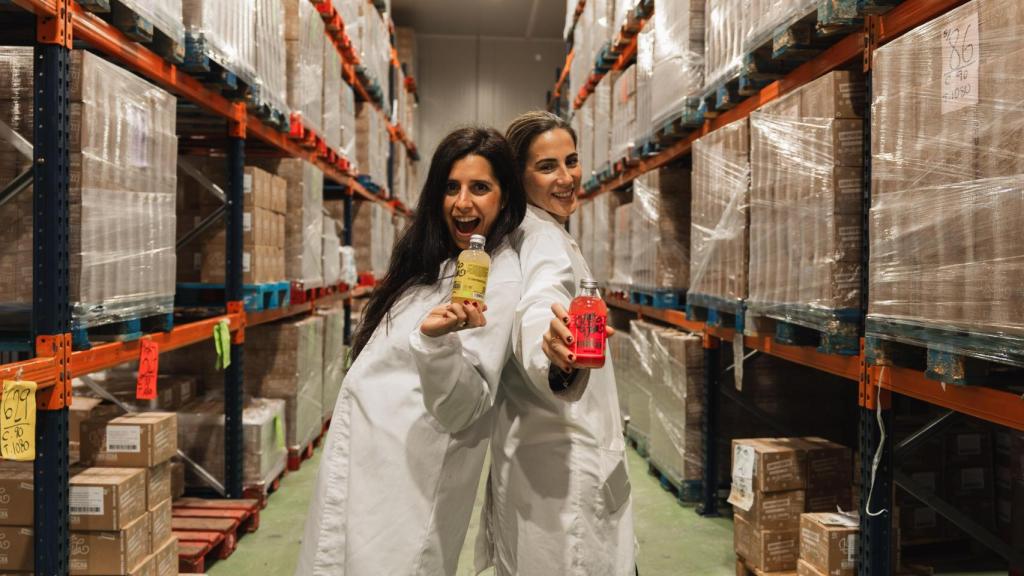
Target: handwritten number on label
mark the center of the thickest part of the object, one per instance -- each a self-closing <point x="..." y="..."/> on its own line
<point x="18" y="421"/>
<point x="149" y="359"/>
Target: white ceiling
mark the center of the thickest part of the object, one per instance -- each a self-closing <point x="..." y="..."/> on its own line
<point x="504" y="18"/>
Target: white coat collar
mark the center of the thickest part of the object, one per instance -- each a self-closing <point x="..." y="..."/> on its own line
<point x="544" y="215"/>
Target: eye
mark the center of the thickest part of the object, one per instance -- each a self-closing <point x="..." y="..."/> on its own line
<point x="572" y="161"/>
<point x="481" y="188"/>
<point x="546" y="166"/>
<point x="453" y="188"/>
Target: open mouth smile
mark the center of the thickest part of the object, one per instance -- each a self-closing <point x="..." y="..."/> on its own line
<point x="465" y="226"/>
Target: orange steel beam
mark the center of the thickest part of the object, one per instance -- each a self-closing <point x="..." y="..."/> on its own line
<point x="557" y="92"/>
<point x="109" y="355"/>
<point x="42" y="371"/>
<point x="674" y="317"/>
<point x="38" y="7"/>
<point x="265" y="316"/>
<point x="1004" y="408"/>
<point x="910" y="14"/>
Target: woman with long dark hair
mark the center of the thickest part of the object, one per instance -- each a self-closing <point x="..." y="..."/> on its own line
<point x="403" y="457"/>
<point x="559" y="494"/>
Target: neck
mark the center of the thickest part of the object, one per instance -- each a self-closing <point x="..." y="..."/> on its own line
<point x="558" y="218"/>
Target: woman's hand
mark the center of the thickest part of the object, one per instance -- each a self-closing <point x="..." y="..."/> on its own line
<point x="453" y="317"/>
<point x="557" y="341"/>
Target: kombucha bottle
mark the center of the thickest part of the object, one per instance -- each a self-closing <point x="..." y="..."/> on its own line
<point x="471" y="272"/>
<point x="588" y="316"/>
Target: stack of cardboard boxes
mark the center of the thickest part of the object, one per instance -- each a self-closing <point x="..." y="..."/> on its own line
<point x="16" y="517"/>
<point x="828" y="544"/>
<point x="660" y="230"/>
<point x="335" y="355"/>
<point x="774" y="481"/>
<point x="305" y="36"/>
<point x="263" y="224"/>
<point x="121" y="506"/>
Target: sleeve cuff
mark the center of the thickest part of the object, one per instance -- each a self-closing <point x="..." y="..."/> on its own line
<point x="429" y="344"/>
<point x="568" y="387"/>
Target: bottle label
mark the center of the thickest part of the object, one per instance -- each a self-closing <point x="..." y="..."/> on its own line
<point x="588" y="334"/>
<point x="470" y="282"/>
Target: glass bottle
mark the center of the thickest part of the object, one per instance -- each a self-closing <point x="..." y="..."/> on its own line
<point x="588" y="316"/>
<point x="471" y="272"/>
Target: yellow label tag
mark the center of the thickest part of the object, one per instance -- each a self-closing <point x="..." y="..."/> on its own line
<point x="18" y="421"/>
<point x="470" y="282"/>
<point x="278" y="432"/>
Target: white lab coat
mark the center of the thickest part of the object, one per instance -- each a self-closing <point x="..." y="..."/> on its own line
<point x="558" y="492"/>
<point x="395" y="490"/>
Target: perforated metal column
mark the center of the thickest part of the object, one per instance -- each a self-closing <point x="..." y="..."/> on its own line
<point x="234" y="453"/>
<point x="875" y="554"/>
<point x="712" y="371"/>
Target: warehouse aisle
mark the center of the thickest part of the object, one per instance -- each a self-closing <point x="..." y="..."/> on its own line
<point x="674" y="541"/>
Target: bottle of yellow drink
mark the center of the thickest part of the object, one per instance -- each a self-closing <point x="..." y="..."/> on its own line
<point x="471" y="272"/>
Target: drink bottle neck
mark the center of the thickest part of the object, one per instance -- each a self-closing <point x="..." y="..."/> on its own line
<point x="590" y="293"/>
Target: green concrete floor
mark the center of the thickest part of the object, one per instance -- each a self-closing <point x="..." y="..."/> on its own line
<point x="674" y="541"/>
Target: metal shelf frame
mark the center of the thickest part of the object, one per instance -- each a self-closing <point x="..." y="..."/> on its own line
<point x="54" y="365"/>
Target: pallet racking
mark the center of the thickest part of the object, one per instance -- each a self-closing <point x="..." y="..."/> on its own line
<point x="52" y="26"/>
<point x="876" y="383"/>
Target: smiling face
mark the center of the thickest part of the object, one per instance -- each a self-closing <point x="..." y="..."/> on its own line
<point x="553" y="173"/>
<point x="472" y="199"/>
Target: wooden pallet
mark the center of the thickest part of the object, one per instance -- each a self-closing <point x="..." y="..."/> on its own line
<point x="637" y="440"/>
<point x="266" y="296"/>
<point x="209" y="530"/>
<point x="298" y="455"/>
<point x="125" y="330"/>
<point x="831" y="331"/>
<point x="262" y="491"/>
<point x="138" y="28"/>
<point x="716" y="312"/>
<point x="744" y="569"/>
<point x="944" y="354"/>
<point x="666" y="298"/>
<point x="687" y="492"/>
<point x="204" y="63"/>
<point x="300" y="294"/>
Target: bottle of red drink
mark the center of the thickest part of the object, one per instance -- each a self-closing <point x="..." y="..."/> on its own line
<point x="588" y="316"/>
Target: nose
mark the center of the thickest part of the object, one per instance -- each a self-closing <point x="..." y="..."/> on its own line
<point x="564" y="175"/>
<point x="463" y="202"/>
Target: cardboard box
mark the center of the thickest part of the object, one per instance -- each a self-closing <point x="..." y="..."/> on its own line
<point x="256" y="185"/>
<point x="969" y="449"/>
<point x="17" y="546"/>
<point x="805" y="569"/>
<point x="158" y="484"/>
<point x="828" y="542"/>
<point x="774" y="511"/>
<point x="107" y="498"/>
<point x="177" y="479"/>
<point x="771" y="464"/>
<point x="829" y="466"/>
<point x="134" y="440"/>
<point x="16" y="494"/>
<point x="145" y="568"/>
<point x="839" y="94"/>
<point x="768" y="550"/>
<point x="167" y="558"/>
<point x="110" y="552"/>
<point x="159" y="524"/>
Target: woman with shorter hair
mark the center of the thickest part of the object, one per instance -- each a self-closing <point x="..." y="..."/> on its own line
<point x="402" y="460"/>
<point x="559" y="493"/>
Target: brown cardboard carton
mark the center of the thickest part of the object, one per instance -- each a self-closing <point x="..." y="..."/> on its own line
<point x="107" y="498"/>
<point x="828" y="542"/>
<point x="838" y="94"/>
<point x="969" y="448"/>
<point x="112" y="552"/>
<point x="84" y="408"/>
<point x="158" y="484"/>
<point x="16" y="494"/>
<point x="279" y="194"/>
<point x="767" y="550"/>
<point x="147" y="567"/>
<point x="16" y="549"/>
<point x="177" y="479"/>
<point x="803" y="568"/>
<point x="256" y="185"/>
<point x="134" y="440"/>
<point x="776" y="464"/>
<point x="829" y="465"/>
<point x="774" y="510"/>
<point x="159" y="524"/>
<point x="167" y="558"/>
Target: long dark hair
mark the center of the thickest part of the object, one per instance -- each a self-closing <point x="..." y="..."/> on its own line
<point x="427" y="243"/>
<point x="524" y="130"/>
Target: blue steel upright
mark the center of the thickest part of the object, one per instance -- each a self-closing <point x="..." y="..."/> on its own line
<point x="234" y="452"/>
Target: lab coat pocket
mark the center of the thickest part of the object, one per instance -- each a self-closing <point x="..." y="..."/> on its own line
<point x="616" y="489"/>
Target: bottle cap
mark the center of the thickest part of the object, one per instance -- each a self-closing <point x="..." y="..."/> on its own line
<point x="588" y="283"/>
<point x="477" y="241"/>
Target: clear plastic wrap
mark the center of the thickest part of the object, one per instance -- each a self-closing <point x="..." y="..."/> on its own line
<point x="602" y="239"/>
<point x="331" y="253"/>
<point x="659" y="226"/>
<point x="271" y="69"/>
<point x="719" y="225"/>
<point x="622" y="265"/>
<point x="305" y="37"/>
<point x="583" y="55"/>
<point x="347" y="148"/>
<point x="620" y="13"/>
<point x="334" y="356"/>
<point x="676" y="444"/>
<point x="164" y="15"/>
<point x="602" y="98"/>
<point x="805" y="204"/>
<point x="303" y="249"/>
<point x="223" y="31"/>
<point x="678" y="65"/>
<point x="586" y="140"/>
<point x="644" y="85"/>
<point x="947" y="256"/>
<point x="370" y="36"/>
<point x="639" y="376"/>
<point x="382" y="239"/>
<point x="123" y="179"/>
<point x="332" y="96"/>
<point x="285" y="360"/>
<point x="624" y="119"/>
<point x="620" y="349"/>
<point x="371" y="143"/>
<point x="201" y="438"/>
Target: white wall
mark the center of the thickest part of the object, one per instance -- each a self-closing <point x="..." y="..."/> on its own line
<point x="468" y="80"/>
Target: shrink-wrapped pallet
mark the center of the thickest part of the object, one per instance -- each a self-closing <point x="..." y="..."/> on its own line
<point x="642" y="372"/>
<point x="303" y="246"/>
<point x="335" y="352"/>
<point x="602" y="239"/>
<point x="284" y="360"/>
<point x="223" y="31"/>
<point x="621" y="351"/>
<point x="305" y="36"/>
<point x="602" y="98"/>
<point x="805" y="204"/>
<point x="382" y="239"/>
<point x="719" y="226"/>
<point x="660" y="230"/>
<point x="624" y="108"/>
<point x="585" y="146"/>
<point x="644" y="86"/>
<point x="122" y="192"/>
<point x="622" y="265"/>
<point x="371" y="39"/>
<point x="947" y="256"/>
<point x="676" y="444"/>
<point x="162" y="15"/>
<point x="371" y="143"/>
<point x="271" y="69"/>
<point x="332" y="97"/>
<point x="331" y="252"/>
<point x="583" y="56"/>
<point x="348" y="122"/>
<point x="678" y="60"/>
<point x="201" y="438"/>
